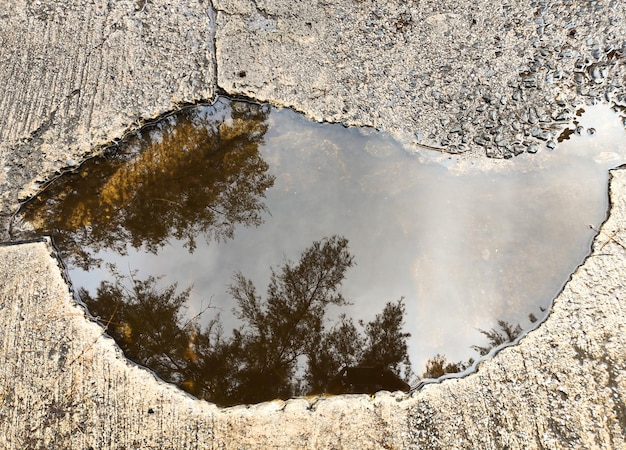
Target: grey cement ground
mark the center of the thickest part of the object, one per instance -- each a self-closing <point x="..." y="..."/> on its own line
<point x="471" y="77"/>
<point x="498" y="78"/>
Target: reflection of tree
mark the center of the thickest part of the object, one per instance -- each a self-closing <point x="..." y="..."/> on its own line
<point x="506" y="333"/>
<point x="341" y="346"/>
<point x="384" y="344"/>
<point x="280" y="329"/>
<point x="438" y="365"/>
<point x="282" y="348"/>
<point x="190" y="174"/>
<point x="145" y="321"/>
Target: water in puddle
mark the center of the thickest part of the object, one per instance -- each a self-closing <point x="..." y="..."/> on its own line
<point x="215" y="209"/>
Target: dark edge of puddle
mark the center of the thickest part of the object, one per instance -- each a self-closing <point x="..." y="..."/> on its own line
<point x="24" y="241"/>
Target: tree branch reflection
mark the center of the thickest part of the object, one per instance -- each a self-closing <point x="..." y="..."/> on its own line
<point x="188" y="175"/>
<point x="283" y="347"/>
<point x="438" y="365"/>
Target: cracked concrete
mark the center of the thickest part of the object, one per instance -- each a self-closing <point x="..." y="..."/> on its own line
<point x="79" y="74"/>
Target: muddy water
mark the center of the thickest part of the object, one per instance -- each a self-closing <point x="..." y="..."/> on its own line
<point x="464" y="243"/>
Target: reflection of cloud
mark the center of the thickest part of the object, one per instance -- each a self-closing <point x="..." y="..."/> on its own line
<point x="608" y="158"/>
<point x="499" y="245"/>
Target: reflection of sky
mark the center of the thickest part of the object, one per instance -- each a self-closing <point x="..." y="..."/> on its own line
<point x="464" y="243"/>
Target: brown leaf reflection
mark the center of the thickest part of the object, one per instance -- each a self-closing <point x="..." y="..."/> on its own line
<point x="283" y="347"/>
<point x="190" y="174"/>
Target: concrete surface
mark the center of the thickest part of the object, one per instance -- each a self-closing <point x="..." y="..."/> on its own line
<point x="78" y="74"/>
<point x="479" y="77"/>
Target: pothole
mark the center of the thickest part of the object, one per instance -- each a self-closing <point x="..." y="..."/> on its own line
<point x="322" y="247"/>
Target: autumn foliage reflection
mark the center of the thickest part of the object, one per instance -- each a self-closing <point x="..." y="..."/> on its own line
<point x="191" y="175"/>
<point x="284" y="346"/>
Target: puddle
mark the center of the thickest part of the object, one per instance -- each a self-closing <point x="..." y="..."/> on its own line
<point x="443" y="247"/>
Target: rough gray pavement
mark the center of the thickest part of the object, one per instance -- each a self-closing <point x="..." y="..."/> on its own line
<point x="497" y="78"/>
<point x="473" y="77"/>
